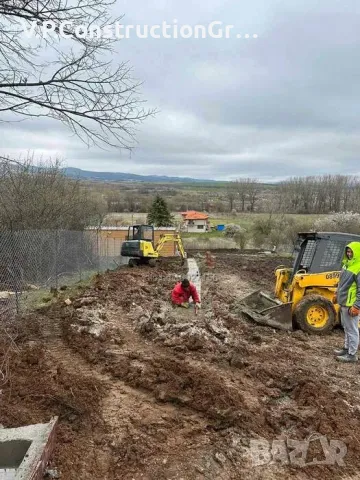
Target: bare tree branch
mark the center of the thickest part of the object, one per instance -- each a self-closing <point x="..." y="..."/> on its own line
<point x="80" y="87"/>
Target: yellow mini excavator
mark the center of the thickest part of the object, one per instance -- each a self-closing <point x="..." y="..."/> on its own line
<point x="140" y="245"/>
<point x="303" y="294"/>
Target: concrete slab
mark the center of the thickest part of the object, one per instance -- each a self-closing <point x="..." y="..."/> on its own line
<point x="25" y="451"/>
<point x="193" y="274"/>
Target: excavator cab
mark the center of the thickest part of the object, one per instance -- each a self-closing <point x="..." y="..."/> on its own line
<point x="141" y="232"/>
<point x="140" y="245"/>
<point x="302" y="296"/>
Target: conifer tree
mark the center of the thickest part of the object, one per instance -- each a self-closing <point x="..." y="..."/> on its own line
<point x="159" y="214"/>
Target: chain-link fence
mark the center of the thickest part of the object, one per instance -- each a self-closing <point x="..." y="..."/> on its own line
<point x="34" y="262"/>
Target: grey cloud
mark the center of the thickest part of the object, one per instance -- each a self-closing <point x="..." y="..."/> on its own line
<point x="283" y="104"/>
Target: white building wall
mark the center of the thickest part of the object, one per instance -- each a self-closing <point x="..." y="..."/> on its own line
<point x="194" y="228"/>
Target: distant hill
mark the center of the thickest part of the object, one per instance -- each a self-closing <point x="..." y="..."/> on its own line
<point x="126" y="177"/>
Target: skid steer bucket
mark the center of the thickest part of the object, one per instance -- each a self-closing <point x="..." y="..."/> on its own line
<point x="261" y="308"/>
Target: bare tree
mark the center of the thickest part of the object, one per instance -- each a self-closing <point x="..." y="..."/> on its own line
<point x="71" y="79"/>
<point x="241" y="190"/>
<point x="355" y="196"/>
<point x="319" y="194"/>
<point x="253" y="190"/>
<point x="42" y="197"/>
<point x="231" y="194"/>
<point x="247" y="190"/>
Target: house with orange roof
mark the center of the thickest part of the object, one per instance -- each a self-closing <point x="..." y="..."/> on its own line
<point x="195" y="222"/>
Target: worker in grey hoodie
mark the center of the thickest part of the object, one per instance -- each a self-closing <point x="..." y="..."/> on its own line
<point x="348" y="297"/>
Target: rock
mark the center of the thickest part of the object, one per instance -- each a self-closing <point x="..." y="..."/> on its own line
<point x="220" y="458"/>
<point x="4" y="295"/>
<point x="84" y="321"/>
<point x="52" y="473"/>
<point x="137" y="312"/>
<point x="180" y="348"/>
<point x="199" y="469"/>
<point x="238" y="362"/>
<point x="161" y="396"/>
<point x="96" y="330"/>
<point x="146" y="325"/>
<point x="84" y="301"/>
<point x="160" y="317"/>
<point x="183" y="399"/>
<point x="219" y="332"/>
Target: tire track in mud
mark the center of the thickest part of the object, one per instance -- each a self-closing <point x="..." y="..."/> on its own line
<point x="136" y="424"/>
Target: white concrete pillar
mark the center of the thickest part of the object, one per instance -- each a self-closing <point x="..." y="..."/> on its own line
<point x="193" y="274"/>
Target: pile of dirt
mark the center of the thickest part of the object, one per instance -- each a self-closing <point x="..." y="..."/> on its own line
<point x="147" y="391"/>
<point x="180" y="328"/>
<point x="257" y="270"/>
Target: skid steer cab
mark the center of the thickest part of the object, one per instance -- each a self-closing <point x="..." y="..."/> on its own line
<point x="140" y="246"/>
<point x="302" y="297"/>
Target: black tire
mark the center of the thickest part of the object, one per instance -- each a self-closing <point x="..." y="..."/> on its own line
<point x="315" y="306"/>
<point x="132" y="262"/>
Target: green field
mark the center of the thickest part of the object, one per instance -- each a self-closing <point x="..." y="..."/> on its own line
<point x="245" y="220"/>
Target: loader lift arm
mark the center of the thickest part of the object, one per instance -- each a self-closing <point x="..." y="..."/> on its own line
<point x="303" y="295"/>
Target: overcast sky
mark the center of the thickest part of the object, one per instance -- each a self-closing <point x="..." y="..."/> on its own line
<point x="283" y="104"/>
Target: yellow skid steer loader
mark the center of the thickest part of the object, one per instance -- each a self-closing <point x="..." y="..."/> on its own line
<point x="303" y="294"/>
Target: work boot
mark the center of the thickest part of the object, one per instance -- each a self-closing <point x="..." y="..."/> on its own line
<point x="341" y="352"/>
<point x="347" y="358"/>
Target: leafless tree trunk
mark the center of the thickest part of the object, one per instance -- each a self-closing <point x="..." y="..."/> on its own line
<point x="231" y="194"/>
<point x="253" y="192"/>
<point x="241" y="191"/>
<point x="73" y="80"/>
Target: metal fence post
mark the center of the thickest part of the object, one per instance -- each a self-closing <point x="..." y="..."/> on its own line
<point x="56" y="257"/>
<point x="79" y="256"/>
<point x="13" y="252"/>
<point x="98" y="249"/>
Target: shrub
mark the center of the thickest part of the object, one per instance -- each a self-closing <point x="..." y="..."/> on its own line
<point x="232" y="229"/>
<point x="346" y="222"/>
<point x="278" y="231"/>
<point x="238" y="234"/>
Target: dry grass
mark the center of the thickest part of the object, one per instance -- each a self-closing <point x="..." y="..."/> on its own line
<point x="208" y="243"/>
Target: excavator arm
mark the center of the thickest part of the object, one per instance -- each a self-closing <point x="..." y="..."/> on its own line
<point x="171" y="237"/>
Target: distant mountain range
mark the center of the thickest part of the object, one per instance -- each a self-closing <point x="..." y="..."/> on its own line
<point x="126" y="177"/>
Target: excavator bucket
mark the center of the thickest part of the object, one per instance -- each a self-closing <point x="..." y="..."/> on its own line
<point x="265" y="310"/>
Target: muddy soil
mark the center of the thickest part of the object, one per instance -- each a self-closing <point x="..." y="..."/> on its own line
<point x="146" y="391"/>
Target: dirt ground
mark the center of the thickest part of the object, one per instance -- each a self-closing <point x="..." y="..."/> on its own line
<point x="145" y="391"/>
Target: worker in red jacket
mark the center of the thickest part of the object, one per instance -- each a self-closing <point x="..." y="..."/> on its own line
<point x="182" y="292"/>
